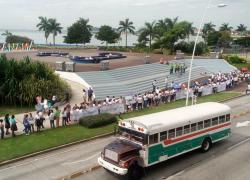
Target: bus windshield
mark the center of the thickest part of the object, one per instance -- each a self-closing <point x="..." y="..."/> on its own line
<point x="133" y="135"/>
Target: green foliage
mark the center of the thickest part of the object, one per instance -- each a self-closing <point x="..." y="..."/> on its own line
<point x="219" y="38"/>
<point x="187" y="47"/>
<point x="242" y="29"/>
<point x="147" y="33"/>
<point x="97" y="120"/>
<point x="79" y="32"/>
<point x="43" y="25"/>
<point x="126" y="27"/>
<point x="17" y="39"/>
<point x="226" y="27"/>
<point x="235" y="59"/>
<point x="207" y="29"/>
<point x="107" y="34"/>
<point x="21" y="81"/>
<point x="179" y="31"/>
<point x="243" y="41"/>
<point x="23" y="145"/>
<point x="49" y="26"/>
<point x="54" y="28"/>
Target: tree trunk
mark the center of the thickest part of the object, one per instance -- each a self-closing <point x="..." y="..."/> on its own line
<point x="54" y="40"/>
<point x="46" y="38"/>
<point x="149" y="42"/>
<point x="126" y="37"/>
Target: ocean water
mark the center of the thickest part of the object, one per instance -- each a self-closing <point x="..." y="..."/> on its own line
<point x="39" y="38"/>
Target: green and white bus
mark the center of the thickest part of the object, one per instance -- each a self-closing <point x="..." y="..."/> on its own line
<point x="150" y="139"/>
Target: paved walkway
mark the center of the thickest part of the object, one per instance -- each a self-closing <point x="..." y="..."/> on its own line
<point x="76" y="98"/>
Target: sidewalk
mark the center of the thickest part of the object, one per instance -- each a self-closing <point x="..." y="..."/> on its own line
<point x="76" y="98"/>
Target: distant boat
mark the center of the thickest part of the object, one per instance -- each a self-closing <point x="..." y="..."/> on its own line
<point x="222" y="5"/>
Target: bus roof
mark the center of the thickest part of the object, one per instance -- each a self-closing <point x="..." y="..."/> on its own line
<point x="170" y="119"/>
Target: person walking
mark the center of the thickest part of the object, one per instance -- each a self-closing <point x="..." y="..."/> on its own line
<point x="64" y="117"/>
<point x="154" y="83"/>
<point x="38" y="122"/>
<point x="31" y="122"/>
<point x="57" y="116"/>
<point x="84" y="95"/>
<point x="13" y="125"/>
<point x="1" y="129"/>
<point x="166" y="82"/>
<point x="51" y="118"/>
<point x="26" y="124"/>
<point x="68" y="113"/>
<point x="7" y="123"/>
<point x="90" y="94"/>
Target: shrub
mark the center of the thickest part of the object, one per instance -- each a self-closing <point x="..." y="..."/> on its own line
<point x="21" y="81"/>
<point x="17" y="39"/>
<point x="235" y="60"/>
<point x="97" y="120"/>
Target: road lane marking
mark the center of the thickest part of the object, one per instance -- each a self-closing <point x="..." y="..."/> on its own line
<point x="83" y="160"/>
<point x="238" y="144"/>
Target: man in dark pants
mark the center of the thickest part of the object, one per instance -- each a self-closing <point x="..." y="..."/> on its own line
<point x="1" y="128"/>
<point x="90" y="94"/>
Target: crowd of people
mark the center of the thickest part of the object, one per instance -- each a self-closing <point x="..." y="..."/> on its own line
<point x="69" y="114"/>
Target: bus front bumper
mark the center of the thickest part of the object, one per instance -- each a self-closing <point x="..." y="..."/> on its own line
<point x="111" y="167"/>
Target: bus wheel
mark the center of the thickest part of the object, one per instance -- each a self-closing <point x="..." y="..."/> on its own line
<point x="135" y="172"/>
<point x="206" y="145"/>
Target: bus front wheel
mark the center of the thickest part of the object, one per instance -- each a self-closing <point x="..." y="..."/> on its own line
<point x="135" y="172"/>
<point x="206" y="145"/>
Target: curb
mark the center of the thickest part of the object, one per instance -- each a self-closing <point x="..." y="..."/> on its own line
<point x="81" y="172"/>
<point x="54" y="148"/>
<point x="236" y="97"/>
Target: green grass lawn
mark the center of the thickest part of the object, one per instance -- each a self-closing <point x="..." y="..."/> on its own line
<point x="21" y="145"/>
<point x="14" y="110"/>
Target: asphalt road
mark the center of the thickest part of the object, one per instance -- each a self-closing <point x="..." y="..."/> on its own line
<point x="62" y="163"/>
<point x="227" y="160"/>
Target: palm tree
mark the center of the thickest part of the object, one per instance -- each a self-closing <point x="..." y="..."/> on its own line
<point x="207" y="28"/>
<point x="43" y="25"/>
<point x="6" y="33"/>
<point x="126" y="26"/>
<point x="54" y="28"/>
<point x="241" y="28"/>
<point x="149" y="30"/>
<point x="164" y="25"/>
<point x="226" y="27"/>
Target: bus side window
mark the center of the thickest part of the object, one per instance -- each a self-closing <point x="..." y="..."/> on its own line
<point x="179" y="131"/>
<point x="193" y="127"/>
<point x="153" y="138"/>
<point x="228" y="117"/>
<point x="207" y="123"/>
<point x="186" y="129"/>
<point x="163" y="135"/>
<point x="171" y="134"/>
<point x="200" y="125"/>
<point x="222" y="119"/>
<point x="215" y="121"/>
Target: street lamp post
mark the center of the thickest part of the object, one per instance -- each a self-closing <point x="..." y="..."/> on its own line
<point x="196" y="39"/>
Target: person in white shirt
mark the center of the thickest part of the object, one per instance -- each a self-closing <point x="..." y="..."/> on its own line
<point x="248" y="88"/>
<point x="166" y="82"/>
<point x="139" y="101"/>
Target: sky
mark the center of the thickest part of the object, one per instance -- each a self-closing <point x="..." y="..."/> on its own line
<point x="23" y="14"/>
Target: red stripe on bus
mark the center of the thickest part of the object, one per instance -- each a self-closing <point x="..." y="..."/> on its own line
<point x="171" y="141"/>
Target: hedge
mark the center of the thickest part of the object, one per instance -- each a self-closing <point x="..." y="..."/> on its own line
<point x="97" y="120"/>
